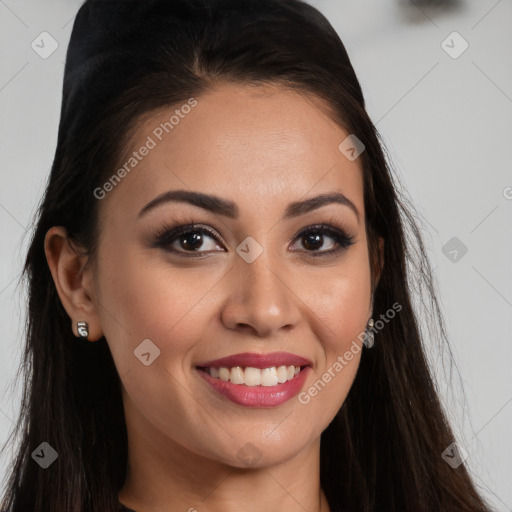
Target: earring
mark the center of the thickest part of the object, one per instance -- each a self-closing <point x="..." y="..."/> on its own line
<point x="83" y="330"/>
<point x="368" y="335"/>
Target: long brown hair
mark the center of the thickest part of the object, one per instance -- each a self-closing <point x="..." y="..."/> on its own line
<point x="382" y="452"/>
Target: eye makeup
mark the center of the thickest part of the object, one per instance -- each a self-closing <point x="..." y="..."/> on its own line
<point x="191" y="236"/>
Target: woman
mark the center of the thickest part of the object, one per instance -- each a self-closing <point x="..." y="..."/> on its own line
<point x="283" y="368"/>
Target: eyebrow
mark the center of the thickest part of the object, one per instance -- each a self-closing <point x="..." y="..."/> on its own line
<point x="229" y="209"/>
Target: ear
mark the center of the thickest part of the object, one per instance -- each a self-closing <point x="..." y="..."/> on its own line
<point x="73" y="279"/>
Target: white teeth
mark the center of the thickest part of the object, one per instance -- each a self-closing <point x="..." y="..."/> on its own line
<point x="269" y="377"/>
<point x="237" y="375"/>
<point x="224" y="374"/>
<point x="281" y="374"/>
<point x="254" y="376"/>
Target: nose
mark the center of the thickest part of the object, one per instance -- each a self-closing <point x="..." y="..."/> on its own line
<point x="261" y="298"/>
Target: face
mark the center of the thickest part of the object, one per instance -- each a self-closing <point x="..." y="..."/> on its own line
<point x="257" y="280"/>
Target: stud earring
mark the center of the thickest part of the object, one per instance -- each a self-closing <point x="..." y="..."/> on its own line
<point x="83" y="330"/>
<point x="369" y="337"/>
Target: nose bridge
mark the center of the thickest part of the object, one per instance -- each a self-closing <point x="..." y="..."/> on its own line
<point x="262" y="279"/>
<point x="260" y="297"/>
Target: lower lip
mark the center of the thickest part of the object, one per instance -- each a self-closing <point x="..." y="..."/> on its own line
<point x="258" y="396"/>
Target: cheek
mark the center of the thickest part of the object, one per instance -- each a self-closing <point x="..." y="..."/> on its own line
<point x="150" y="299"/>
<point x="340" y="298"/>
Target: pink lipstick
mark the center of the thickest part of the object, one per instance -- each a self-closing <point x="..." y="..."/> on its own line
<point x="257" y="380"/>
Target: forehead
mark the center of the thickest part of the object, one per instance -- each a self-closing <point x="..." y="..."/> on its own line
<point x="261" y="145"/>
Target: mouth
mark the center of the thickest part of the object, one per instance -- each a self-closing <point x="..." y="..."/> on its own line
<point x="256" y="380"/>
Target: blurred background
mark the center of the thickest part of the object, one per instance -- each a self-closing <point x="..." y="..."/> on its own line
<point x="439" y="89"/>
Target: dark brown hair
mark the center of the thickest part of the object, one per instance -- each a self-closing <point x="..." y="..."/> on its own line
<point x="382" y="452"/>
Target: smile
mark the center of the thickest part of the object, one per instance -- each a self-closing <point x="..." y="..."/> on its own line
<point x="257" y="380"/>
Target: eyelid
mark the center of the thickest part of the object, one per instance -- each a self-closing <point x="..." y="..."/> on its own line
<point x="329" y="226"/>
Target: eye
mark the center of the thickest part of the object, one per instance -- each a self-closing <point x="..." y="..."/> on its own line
<point x="314" y="237"/>
<point x="188" y="239"/>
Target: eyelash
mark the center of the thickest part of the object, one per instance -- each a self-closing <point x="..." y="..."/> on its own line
<point x="166" y="235"/>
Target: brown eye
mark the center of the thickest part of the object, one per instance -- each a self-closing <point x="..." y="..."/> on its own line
<point x="313" y="239"/>
<point x="193" y="240"/>
<point x="188" y="239"/>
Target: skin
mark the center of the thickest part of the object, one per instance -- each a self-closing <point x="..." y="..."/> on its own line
<point x="263" y="148"/>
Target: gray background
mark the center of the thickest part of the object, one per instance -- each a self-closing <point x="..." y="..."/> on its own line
<point x="447" y="123"/>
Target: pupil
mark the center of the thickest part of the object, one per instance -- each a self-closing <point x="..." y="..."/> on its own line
<point x="315" y="239"/>
<point x="196" y="243"/>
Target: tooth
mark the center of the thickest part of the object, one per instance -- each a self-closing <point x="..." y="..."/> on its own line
<point x="281" y="374"/>
<point x="252" y="376"/>
<point x="237" y="375"/>
<point x="214" y="372"/>
<point x="224" y="373"/>
<point x="290" y="372"/>
<point x="297" y="370"/>
<point x="269" y="376"/>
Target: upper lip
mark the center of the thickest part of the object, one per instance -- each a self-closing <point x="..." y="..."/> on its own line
<point x="255" y="360"/>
